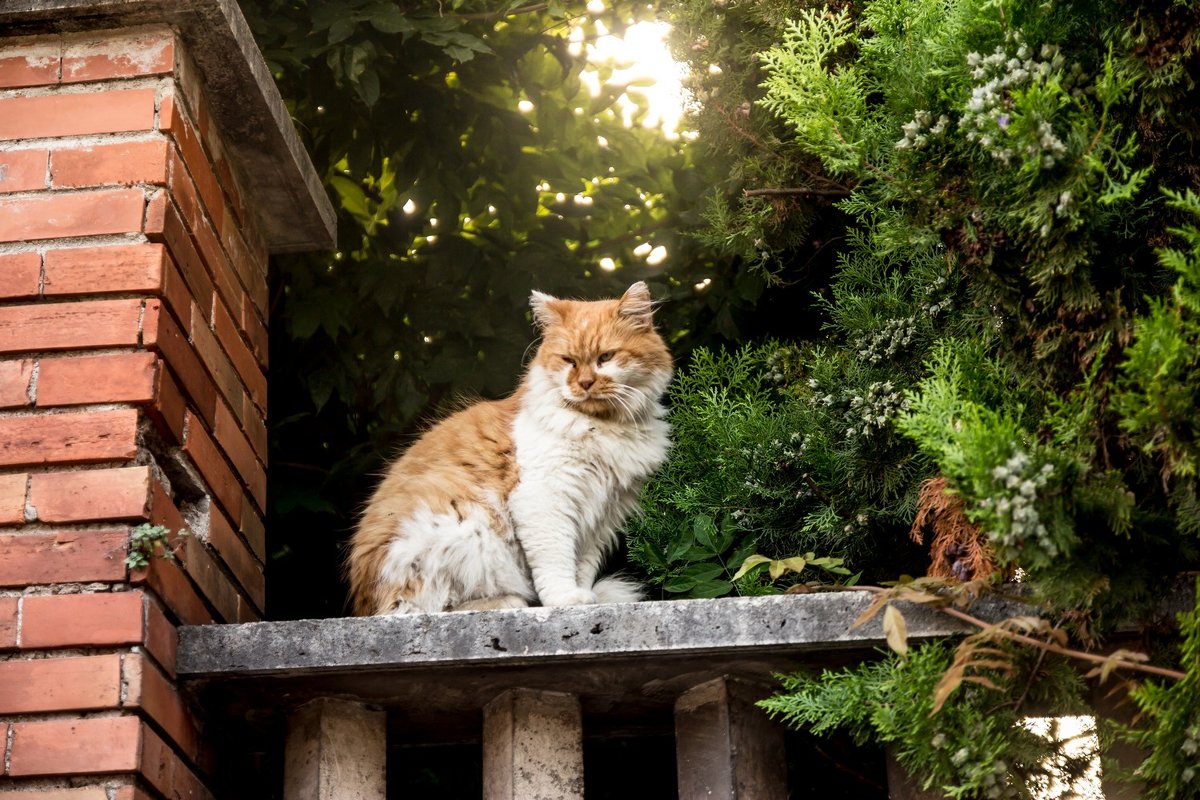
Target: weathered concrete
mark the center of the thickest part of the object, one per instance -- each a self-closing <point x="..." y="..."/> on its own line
<point x="785" y="623"/>
<point x="336" y="750"/>
<point x="726" y="747"/>
<point x="627" y="663"/>
<point x="533" y="746"/>
<point x="286" y="192"/>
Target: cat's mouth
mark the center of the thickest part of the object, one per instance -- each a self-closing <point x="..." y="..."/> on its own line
<point x="604" y="405"/>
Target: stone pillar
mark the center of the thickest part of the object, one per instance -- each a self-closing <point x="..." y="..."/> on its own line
<point x="533" y="747"/>
<point x="726" y="747"/>
<point x="336" y="750"/>
<point x="136" y="217"/>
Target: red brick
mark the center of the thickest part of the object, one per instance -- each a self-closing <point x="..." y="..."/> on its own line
<point x="175" y="290"/>
<point x="75" y="746"/>
<point x="70" y="326"/>
<point x="14" y="383"/>
<point x="22" y="170"/>
<point x="19" y="275"/>
<point x="239" y="353"/>
<point x="255" y="429"/>
<point x="164" y="512"/>
<point x="12" y="498"/>
<point x="256" y="332"/>
<point x="169" y="406"/>
<point x="121" y="163"/>
<point x="229" y="436"/>
<point x="110" y="378"/>
<point x="214" y="584"/>
<point x="219" y="267"/>
<point x="150" y="690"/>
<point x="29" y="65"/>
<point x="162" y="639"/>
<point x="166" y="772"/>
<point x="191" y="156"/>
<point x="72" y="620"/>
<point x="8" y="623"/>
<point x="243" y="265"/>
<point x="73" y="438"/>
<point x="205" y="455"/>
<point x="45" y="116"/>
<point x="237" y="557"/>
<point x="53" y="216"/>
<point x="184" y="193"/>
<point x="80" y="793"/>
<point x="33" y="559"/>
<point x="165" y="225"/>
<point x="126" y="56"/>
<point x="91" y="494"/>
<point x="222" y="370"/>
<point x="171" y="585"/>
<point x="163" y="334"/>
<point x="60" y="684"/>
<point x="253" y="530"/>
<point x="95" y="270"/>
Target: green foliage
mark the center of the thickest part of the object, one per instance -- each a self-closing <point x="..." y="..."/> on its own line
<point x="1170" y="730"/>
<point x="755" y="462"/>
<point x="975" y="747"/>
<point x="1012" y="312"/>
<point x="147" y="541"/>
<point x="825" y="101"/>
<point x="1160" y="390"/>
<point x="470" y="163"/>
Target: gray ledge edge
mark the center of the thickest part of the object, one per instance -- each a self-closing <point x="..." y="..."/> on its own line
<point x="285" y="191"/>
<point x="744" y="626"/>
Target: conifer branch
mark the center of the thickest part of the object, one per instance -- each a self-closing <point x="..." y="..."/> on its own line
<point x="801" y="190"/>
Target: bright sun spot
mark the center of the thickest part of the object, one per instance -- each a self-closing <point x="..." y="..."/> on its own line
<point x="640" y="54"/>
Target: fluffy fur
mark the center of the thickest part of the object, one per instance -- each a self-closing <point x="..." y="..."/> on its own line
<point x="517" y="501"/>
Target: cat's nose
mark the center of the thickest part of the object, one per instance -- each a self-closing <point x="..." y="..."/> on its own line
<point x="586" y="383"/>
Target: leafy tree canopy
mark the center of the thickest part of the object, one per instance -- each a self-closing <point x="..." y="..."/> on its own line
<point x="470" y="162"/>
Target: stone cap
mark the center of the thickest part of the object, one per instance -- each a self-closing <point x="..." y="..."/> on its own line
<point x="286" y="194"/>
<point x="627" y="662"/>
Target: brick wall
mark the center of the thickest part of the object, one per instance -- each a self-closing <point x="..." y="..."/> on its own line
<point x="133" y="352"/>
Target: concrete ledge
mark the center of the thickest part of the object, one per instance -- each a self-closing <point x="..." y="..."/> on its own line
<point x="628" y="663"/>
<point x="286" y="192"/>
<point x="793" y="624"/>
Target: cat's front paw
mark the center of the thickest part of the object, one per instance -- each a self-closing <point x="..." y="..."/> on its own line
<point x="572" y="597"/>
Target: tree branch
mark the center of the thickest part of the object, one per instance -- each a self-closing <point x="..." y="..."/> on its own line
<point x="790" y="190"/>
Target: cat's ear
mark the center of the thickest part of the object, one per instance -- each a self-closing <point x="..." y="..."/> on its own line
<point x="636" y="305"/>
<point x="546" y="310"/>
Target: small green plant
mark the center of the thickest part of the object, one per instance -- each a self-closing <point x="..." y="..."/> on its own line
<point x="146" y="541"/>
<point x="777" y="568"/>
<point x="698" y="561"/>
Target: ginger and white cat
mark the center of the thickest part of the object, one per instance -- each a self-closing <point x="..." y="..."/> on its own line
<point x="515" y="502"/>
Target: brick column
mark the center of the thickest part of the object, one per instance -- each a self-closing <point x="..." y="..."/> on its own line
<point x="135" y="226"/>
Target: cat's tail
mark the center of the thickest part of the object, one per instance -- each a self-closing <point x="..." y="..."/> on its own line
<point x="618" y="589"/>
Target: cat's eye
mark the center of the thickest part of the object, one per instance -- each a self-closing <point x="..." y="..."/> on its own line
<point x="606" y="357"/>
<point x="568" y="360"/>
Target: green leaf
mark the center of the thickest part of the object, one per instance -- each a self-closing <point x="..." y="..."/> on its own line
<point x="704" y="531"/>
<point x="711" y="588"/>
<point x="749" y="564"/>
<point x="388" y="18"/>
<point x="341" y="30"/>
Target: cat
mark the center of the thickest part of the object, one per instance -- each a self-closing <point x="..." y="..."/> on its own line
<point x="517" y="502"/>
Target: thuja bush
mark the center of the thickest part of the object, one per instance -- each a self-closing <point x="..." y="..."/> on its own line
<point x="1009" y="366"/>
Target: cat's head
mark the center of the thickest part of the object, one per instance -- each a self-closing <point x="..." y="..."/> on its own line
<point x="602" y="357"/>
